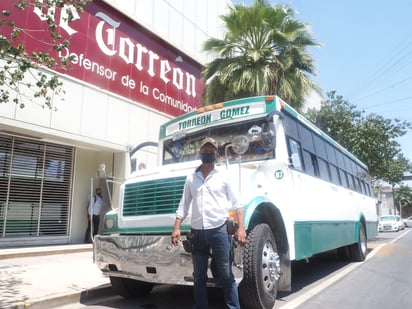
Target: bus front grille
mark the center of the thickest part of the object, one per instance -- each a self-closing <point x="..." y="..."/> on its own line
<point x="153" y="197"/>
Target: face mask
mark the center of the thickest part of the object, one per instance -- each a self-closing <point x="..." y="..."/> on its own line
<point x="208" y="157"/>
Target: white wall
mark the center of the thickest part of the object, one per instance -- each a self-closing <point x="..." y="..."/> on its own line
<point x="186" y="24"/>
<point x="85" y="170"/>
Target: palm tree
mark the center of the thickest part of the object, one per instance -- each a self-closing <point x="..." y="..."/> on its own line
<point x="264" y="51"/>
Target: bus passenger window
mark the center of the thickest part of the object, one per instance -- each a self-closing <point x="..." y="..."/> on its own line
<point x="344" y="178"/>
<point x="296" y="161"/>
<point x="351" y="182"/>
<point x="323" y="169"/>
<point x="334" y="173"/>
<point x="295" y="154"/>
<point x="309" y="167"/>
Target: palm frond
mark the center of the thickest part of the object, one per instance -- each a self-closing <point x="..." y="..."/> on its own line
<point x="264" y="51"/>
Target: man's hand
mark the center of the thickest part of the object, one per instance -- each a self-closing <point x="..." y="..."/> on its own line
<point x="176" y="231"/>
<point x="175" y="236"/>
<point x="241" y="232"/>
<point x="241" y="235"/>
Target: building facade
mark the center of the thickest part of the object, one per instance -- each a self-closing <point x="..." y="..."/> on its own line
<point x="135" y="65"/>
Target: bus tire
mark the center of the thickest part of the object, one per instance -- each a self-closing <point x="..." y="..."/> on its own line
<point x="261" y="270"/>
<point x="129" y="288"/>
<point x="359" y="249"/>
<point x="344" y="253"/>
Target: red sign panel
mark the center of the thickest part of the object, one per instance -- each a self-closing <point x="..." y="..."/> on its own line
<point x="114" y="53"/>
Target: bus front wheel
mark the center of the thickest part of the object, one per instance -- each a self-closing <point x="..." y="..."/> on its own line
<point x="261" y="271"/>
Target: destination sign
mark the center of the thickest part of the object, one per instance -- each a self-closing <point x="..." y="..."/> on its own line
<point x="217" y="115"/>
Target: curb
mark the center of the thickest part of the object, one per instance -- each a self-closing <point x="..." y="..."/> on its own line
<point x="39" y="251"/>
<point x="57" y="301"/>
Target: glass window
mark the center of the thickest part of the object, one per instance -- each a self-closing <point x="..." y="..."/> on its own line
<point x="291" y="128"/>
<point x="357" y="185"/>
<point x="334" y="173"/>
<point x="344" y="178"/>
<point x="320" y="147"/>
<point x="323" y="169"/>
<point x="351" y="182"/>
<point x="363" y="187"/>
<point x="259" y="133"/>
<point x="330" y="150"/>
<point x="35" y="187"/>
<point x="368" y="189"/>
<point x="354" y="168"/>
<point x="305" y="137"/>
<point x="295" y="154"/>
<point x="340" y="159"/>
<point x="309" y="160"/>
<point x="348" y="165"/>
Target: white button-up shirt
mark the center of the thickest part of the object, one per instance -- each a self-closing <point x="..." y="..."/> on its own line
<point x="95" y="205"/>
<point x="210" y="198"/>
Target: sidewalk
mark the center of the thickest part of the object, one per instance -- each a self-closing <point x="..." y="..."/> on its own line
<point x="49" y="277"/>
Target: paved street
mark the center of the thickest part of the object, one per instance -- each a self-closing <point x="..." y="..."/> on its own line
<point x="69" y="278"/>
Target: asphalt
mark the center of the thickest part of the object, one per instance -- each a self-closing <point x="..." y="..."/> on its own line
<point x="54" y="276"/>
<point x="50" y="277"/>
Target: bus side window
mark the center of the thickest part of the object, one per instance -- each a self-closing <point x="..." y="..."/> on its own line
<point x="368" y="188"/>
<point x="310" y="162"/>
<point x="334" y="173"/>
<point x="323" y="169"/>
<point x="358" y="187"/>
<point x="295" y="154"/>
<point x="351" y="182"/>
<point x="296" y="161"/>
<point x="344" y="178"/>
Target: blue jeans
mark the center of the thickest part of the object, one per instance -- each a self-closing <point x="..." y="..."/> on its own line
<point x="217" y="240"/>
<point x="95" y="222"/>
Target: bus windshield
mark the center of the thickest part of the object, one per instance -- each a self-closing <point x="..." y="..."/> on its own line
<point x="257" y="138"/>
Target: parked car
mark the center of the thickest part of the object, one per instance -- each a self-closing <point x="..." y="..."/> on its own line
<point x="388" y="223"/>
<point x="408" y="221"/>
<point x="400" y="222"/>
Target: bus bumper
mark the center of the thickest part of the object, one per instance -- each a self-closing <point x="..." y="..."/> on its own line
<point x="150" y="258"/>
<point x="146" y="258"/>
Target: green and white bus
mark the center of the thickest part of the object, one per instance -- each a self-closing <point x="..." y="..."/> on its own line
<point x="302" y="192"/>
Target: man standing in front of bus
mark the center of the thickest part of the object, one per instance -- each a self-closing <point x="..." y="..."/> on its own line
<point x="210" y="194"/>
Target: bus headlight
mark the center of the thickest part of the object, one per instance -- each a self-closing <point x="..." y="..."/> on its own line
<point x="109" y="223"/>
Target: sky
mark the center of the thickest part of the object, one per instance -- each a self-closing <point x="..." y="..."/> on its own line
<point x="366" y="53"/>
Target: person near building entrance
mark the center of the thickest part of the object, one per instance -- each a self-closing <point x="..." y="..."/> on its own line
<point x="96" y="203"/>
<point x="209" y="192"/>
